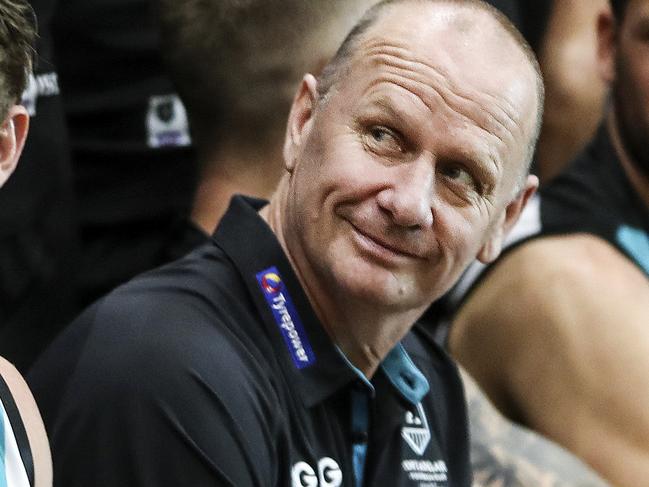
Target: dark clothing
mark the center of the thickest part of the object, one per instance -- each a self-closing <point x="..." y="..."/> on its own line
<point x="38" y="240"/>
<point x="530" y="18"/>
<point x="133" y="164"/>
<point x="594" y="196"/>
<point x="214" y="370"/>
<point x="534" y="19"/>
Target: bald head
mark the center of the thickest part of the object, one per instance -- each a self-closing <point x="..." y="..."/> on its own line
<point x="497" y="45"/>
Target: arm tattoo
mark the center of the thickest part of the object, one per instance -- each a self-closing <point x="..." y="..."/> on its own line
<point x="507" y="455"/>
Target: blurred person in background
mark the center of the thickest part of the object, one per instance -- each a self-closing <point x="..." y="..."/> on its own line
<point x="38" y="238"/>
<point x="24" y="451"/>
<point x="575" y="93"/>
<point x="236" y="65"/>
<point x="562" y="34"/>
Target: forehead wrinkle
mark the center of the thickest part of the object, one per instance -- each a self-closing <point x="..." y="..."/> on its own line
<point x="384" y="103"/>
<point x="400" y="60"/>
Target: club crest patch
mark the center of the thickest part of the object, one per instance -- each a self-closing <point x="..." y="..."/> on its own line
<point x="416" y="432"/>
<point x="166" y="122"/>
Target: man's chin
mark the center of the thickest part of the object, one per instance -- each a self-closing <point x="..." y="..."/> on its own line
<point x="387" y="294"/>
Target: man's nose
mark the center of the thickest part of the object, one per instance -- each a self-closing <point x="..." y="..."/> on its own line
<point x="409" y="197"/>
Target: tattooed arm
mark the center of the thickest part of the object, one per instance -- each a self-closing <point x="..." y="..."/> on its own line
<point x="504" y="454"/>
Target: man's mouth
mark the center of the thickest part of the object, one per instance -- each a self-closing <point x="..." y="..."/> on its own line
<point x="383" y="247"/>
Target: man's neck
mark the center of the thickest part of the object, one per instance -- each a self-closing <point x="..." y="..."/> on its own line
<point x="638" y="180"/>
<point x="227" y="173"/>
<point x="363" y="332"/>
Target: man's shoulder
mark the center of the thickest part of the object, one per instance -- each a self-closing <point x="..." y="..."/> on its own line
<point x="178" y="357"/>
<point x="564" y="279"/>
<point x="191" y="315"/>
<point x="203" y="287"/>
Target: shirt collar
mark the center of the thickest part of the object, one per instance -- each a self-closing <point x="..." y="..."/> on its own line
<point x="253" y="248"/>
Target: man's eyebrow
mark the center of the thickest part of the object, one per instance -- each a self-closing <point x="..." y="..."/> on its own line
<point x="388" y="108"/>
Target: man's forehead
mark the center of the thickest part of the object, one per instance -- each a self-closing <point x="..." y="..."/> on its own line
<point x="439" y="51"/>
<point x="432" y="28"/>
<point x="451" y="48"/>
<point x="464" y="41"/>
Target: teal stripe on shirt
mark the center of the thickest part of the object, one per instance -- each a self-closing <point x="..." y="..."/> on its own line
<point x="3" y="448"/>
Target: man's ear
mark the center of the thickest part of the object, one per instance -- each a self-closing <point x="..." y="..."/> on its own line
<point x="299" y="119"/>
<point x="607" y="33"/>
<point x="13" y="133"/>
<point x="501" y="228"/>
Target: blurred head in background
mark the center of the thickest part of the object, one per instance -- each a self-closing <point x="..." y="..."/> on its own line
<point x="17" y="32"/>
<point x="624" y="62"/>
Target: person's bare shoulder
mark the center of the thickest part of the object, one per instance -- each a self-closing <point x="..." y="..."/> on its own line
<point x="557" y="336"/>
<point x="33" y="423"/>
<point x="547" y="282"/>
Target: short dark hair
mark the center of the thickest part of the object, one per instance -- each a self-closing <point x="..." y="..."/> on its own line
<point x="339" y="65"/>
<point x="17" y="34"/>
<point x="619" y="8"/>
<point x="237" y="63"/>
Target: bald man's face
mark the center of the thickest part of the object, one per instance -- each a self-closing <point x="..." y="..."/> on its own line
<point x="402" y="177"/>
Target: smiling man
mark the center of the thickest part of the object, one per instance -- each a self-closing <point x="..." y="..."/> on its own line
<point x="283" y="352"/>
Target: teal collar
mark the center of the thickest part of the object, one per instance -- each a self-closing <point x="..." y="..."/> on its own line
<point x="402" y="373"/>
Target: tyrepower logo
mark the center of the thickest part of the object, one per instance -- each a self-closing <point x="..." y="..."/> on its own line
<point x="271" y="283"/>
<point x="327" y="474"/>
<point x="286" y="316"/>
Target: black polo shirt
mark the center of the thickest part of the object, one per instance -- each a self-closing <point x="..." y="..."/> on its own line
<point x="214" y="370"/>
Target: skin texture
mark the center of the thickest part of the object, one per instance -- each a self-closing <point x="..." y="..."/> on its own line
<point x="409" y="170"/>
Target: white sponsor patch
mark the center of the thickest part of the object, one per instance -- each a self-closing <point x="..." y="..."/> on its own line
<point x="166" y="122"/>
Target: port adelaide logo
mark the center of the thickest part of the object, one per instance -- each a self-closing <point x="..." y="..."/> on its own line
<point x="416" y="431"/>
<point x="281" y="305"/>
<point x="421" y="471"/>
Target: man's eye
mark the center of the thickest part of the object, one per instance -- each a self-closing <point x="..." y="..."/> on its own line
<point x="460" y="176"/>
<point x="379" y="137"/>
